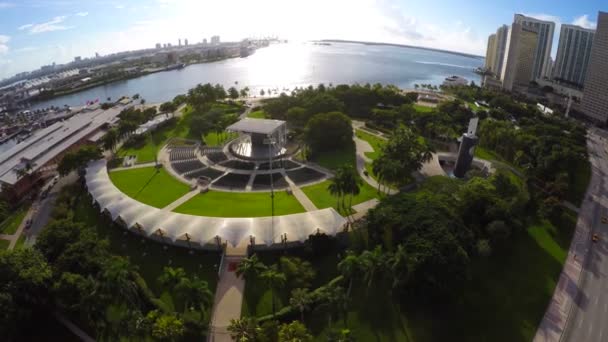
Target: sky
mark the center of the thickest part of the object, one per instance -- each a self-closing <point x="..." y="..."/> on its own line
<point x="39" y="32"/>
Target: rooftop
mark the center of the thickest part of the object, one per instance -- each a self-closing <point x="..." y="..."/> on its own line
<point x="45" y="144"/>
<point x="259" y="126"/>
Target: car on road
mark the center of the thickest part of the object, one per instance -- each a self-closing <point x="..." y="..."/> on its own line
<point x="595" y="238"/>
<point x="28" y="224"/>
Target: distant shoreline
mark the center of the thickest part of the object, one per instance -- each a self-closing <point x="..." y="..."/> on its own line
<point x="398" y="45"/>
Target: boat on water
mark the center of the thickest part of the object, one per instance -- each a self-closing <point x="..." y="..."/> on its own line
<point x="175" y="66"/>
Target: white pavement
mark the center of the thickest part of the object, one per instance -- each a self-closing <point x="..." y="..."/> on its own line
<point x="300" y="195"/>
<point x="579" y="307"/>
<point x="182" y="199"/>
<point x="228" y="300"/>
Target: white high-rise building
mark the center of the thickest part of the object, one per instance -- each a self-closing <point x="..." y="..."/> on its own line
<point x="541" y="68"/>
<point x="573" y="53"/>
<point x="595" y="94"/>
<point x="501" y="46"/>
<point x="491" y="52"/>
<point x="518" y="65"/>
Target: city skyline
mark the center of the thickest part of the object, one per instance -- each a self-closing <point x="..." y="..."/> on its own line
<point x="34" y="33"/>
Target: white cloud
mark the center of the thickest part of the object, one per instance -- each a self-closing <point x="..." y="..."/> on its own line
<point x="82" y="14"/>
<point x="54" y="24"/>
<point x="583" y="21"/>
<point x="4" y="44"/>
<point x="119" y="6"/>
<point x="6" y="5"/>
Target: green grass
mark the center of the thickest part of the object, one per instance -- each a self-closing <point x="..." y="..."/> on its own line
<point x="257" y="299"/>
<point x="240" y="204"/>
<point x="258" y="114"/>
<point x="423" y="109"/>
<point x="147" y="150"/>
<point x="483" y="153"/>
<point x="214" y="139"/>
<point x="375" y="142"/>
<point x="148" y="256"/>
<point x="320" y="196"/>
<point x="11" y="223"/>
<point x="149" y="185"/>
<point x="4" y="244"/>
<point x="335" y="158"/>
<point x="508" y="292"/>
<point x="20" y="242"/>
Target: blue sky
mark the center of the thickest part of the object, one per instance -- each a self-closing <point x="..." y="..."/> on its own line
<point x="38" y="32"/>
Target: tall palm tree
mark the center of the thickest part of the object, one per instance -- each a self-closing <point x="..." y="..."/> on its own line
<point x="397" y="264"/>
<point x="336" y="302"/>
<point x="301" y="299"/>
<point x="372" y="263"/>
<point x="351" y="185"/>
<point x="118" y="280"/>
<point x="336" y="186"/>
<point x="195" y="293"/>
<point x="249" y="268"/>
<point x="243" y="329"/>
<point x="349" y="266"/>
<point x="275" y="280"/>
<point x="171" y="277"/>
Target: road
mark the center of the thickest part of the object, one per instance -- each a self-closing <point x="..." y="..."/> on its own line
<point x="42" y="215"/>
<point x="587" y="320"/>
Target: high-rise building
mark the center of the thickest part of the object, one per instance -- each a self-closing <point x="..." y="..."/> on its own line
<point x="96" y="54"/>
<point x="491" y="52"/>
<point x="501" y="46"/>
<point x="204" y="41"/>
<point x="186" y="42"/>
<point x="595" y="94"/>
<point x="77" y="59"/>
<point x="573" y="54"/>
<point x="179" y="42"/>
<point x="215" y="40"/>
<point x="518" y="65"/>
<point x="545" y="30"/>
<point x="158" y="45"/>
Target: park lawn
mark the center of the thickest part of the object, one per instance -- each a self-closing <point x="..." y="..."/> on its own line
<point x="333" y="159"/>
<point x="148" y="149"/>
<point x="483" y="153"/>
<point x="240" y="204"/>
<point x="155" y="187"/>
<point x="215" y="139"/>
<point x="423" y="109"/>
<point x="11" y="223"/>
<point x="20" y="242"/>
<point x="320" y="196"/>
<point x="257" y="298"/>
<point x="150" y="257"/>
<point x="375" y="142"/>
<point x="258" y="114"/>
<point x="509" y="291"/>
<point x="4" y="244"/>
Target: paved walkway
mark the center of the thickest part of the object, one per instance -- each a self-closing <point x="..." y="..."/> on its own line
<point x="228" y="300"/>
<point x="182" y="199"/>
<point x="135" y="166"/>
<point x="361" y="147"/>
<point x="300" y="195"/>
<point x="73" y="328"/>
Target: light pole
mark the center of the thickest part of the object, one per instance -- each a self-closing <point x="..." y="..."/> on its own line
<point x="270" y="142"/>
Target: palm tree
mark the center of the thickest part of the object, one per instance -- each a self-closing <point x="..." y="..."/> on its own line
<point x="398" y="267"/>
<point x="336" y="186"/>
<point x="171" y="277"/>
<point x="372" y="263"/>
<point x="119" y="281"/>
<point x="250" y="267"/>
<point x="351" y="185"/>
<point x="294" y="332"/>
<point x="336" y="301"/>
<point x="349" y="266"/>
<point x="275" y="280"/>
<point x="244" y="329"/>
<point x="301" y="299"/>
<point x="195" y="293"/>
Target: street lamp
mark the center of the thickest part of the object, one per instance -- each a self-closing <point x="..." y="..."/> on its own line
<point x="270" y="141"/>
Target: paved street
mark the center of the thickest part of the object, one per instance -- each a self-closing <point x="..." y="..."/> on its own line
<point x="587" y="321"/>
<point x="579" y="306"/>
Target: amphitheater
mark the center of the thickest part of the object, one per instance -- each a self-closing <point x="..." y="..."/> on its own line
<point x="243" y="165"/>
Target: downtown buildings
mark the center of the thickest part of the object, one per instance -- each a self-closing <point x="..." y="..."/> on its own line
<point x="595" y="94"/>
<point x="522" y="63"/>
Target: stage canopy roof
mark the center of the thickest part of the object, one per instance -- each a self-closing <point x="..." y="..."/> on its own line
<point x="259" y="126"/>
<point x="201" y="229"/>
